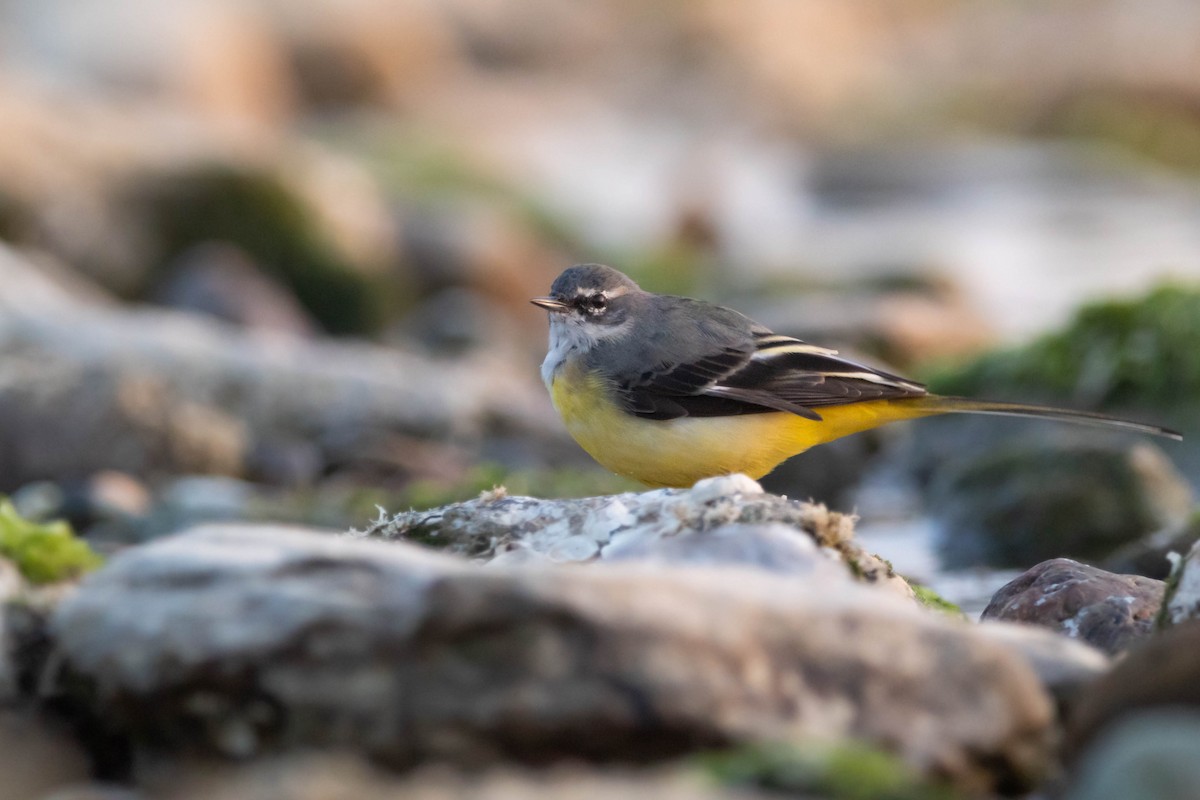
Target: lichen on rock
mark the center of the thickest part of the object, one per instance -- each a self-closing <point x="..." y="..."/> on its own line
<point x="497" y="527"/>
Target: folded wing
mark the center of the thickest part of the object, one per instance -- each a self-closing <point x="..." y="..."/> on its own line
<point x="757" y="372"/>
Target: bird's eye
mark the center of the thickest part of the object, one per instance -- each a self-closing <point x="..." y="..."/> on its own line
<point x="597" y="302"/>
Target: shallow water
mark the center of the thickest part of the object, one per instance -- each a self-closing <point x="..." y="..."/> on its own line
<point x="909" y="544"/>
<point x="1029" y="231"/>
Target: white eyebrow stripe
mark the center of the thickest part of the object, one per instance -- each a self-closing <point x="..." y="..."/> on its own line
<point x="608" y="294"/>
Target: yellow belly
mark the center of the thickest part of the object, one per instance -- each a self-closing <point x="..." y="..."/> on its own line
<point x="679" y="452"/>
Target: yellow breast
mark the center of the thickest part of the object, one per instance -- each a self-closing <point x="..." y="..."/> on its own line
<point x="679" y="452"/>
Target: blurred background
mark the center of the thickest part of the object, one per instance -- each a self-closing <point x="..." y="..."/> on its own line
<point x="270" y="259"/>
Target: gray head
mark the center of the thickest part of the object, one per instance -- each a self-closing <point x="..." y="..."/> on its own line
<point x="588" y="304"/>
<point x="591" y="295"/>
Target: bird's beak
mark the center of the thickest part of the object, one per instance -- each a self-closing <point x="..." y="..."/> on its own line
<point x="550" y="304"/>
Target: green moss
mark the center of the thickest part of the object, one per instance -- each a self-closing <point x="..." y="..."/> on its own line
<point x="844" y="771"/>
<point x="547" y="483"/>
<point x="43" y="552"/>
<point x="256" y="211"/>
<point x="932" y="600"/>
<point x="1118" y="353"/>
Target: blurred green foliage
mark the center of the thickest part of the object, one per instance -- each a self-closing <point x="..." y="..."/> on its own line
<point x="543" y="482"/>
<point x="43" y="552"/>
<point x="843" y="771"/>
<point x="256" y="211"/>
<point x="1143" y="352"/>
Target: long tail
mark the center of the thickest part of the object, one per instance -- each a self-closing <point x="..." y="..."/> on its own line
<point x="937" y="404"/>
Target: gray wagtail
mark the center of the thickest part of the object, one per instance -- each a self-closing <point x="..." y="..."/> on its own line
<point x="668" y="390"/>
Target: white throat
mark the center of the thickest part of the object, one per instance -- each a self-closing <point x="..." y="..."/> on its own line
<point x="571" y="338"/>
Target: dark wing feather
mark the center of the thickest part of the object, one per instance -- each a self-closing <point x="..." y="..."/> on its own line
<point x="691" y="390"/>
<point x="818" y="378"/>
<point x="720" y="363"/>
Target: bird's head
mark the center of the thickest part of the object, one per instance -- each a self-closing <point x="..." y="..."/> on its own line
<point x="591" y="300"/>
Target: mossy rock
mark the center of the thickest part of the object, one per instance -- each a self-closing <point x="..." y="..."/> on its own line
<point x="1115" y="354"/>
<point x="256" y="211"/>
<point x="43" y="552"/>
<point x="1016" y="505"/>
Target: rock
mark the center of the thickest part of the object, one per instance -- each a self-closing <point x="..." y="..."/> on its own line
<point x="453" y="321"/>
<point x="503" y="528"/>
<point x="264" y="212"/>
<point x="1161" y="674"/>
<point x="11" y="586"/>
<point x="1022" y="502"/>
<point x="72" y="148"/>
<point x="1108" y="611"/>
<point x="36" y="756"/>
<point x="217" y="59"/>
<point x="772" y="546"/>
<point x="222" y="281"/>
<point x="1064" y="666"/>
<point x="1182" y="600"/>
<point x="470" y="245"/>
<point x="106" y="499"/>
<point x="96" y="791"/>
<point x="346" y="55"/>
<point x="240" y="640"/>
<point x="1151" y="556"/>
<point x="1151" y="755"/>
<point x="318" y="776"/>
<point x="118" y="189"/>
<point x="64" y="420"/>
<point x="86" y="387"/>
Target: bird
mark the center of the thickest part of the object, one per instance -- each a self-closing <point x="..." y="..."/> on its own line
<point x="669" y="390"/>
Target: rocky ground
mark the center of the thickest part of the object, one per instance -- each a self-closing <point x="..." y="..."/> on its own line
<point x="286" y="511"/>
<point x="716" y="641"/>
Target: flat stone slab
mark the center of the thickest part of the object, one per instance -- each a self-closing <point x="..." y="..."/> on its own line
<point x="241" y="640"/>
